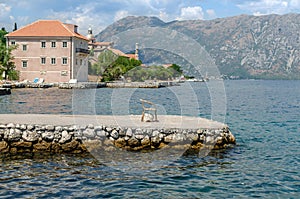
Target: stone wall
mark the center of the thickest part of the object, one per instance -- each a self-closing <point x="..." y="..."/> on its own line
<point x="20" y="138"/>
<point x="5" y="91"/>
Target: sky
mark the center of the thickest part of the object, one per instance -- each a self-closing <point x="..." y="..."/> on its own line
<point x="98" y="14"/>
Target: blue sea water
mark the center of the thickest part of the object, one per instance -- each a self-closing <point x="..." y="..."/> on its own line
<point x="265" y="163"/>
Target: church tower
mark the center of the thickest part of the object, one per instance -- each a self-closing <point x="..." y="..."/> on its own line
<point x="136" y="51"/>
<point x="90" y="36"/>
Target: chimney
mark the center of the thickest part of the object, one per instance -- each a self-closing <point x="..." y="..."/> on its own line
<point x="75" y="28"/>
<point x="15" y="27"/>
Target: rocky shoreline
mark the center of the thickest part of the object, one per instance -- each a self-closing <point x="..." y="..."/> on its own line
<point x="29" y="138"/>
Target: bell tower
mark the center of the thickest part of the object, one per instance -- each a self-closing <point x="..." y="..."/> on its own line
<point x="137" y="51"/>
<point x="90" y="35"/>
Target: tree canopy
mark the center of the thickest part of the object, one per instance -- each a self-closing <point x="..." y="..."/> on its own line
<point x="6" y="64"/>
<point x="152" y="73"/>
<point x="111" y="67"/>
<point x="2" y="33"/>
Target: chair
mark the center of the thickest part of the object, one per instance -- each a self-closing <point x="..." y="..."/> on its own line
<point x="151" y="108"/>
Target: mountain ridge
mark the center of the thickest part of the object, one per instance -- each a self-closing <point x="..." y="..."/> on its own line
<point x="248" y="46"/>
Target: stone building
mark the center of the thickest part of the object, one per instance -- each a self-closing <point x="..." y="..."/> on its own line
<point x="50" y="50"/>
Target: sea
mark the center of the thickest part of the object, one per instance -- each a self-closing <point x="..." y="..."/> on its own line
<point x="263" y="115"/>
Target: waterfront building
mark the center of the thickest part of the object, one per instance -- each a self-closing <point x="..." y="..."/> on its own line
<point x="50" y="50"/>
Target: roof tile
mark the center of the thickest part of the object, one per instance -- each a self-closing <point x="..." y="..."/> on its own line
<point x="47" y="28"/>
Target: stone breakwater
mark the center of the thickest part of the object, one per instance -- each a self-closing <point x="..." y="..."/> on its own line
<point x="23" y="138"/>
<point x="5" y="91"/>
<point x="91" y="85"/>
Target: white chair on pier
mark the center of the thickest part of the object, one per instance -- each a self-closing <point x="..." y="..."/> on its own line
<point x="148" y="109"/>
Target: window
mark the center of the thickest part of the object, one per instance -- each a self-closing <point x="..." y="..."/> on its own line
<point x="53" y="61"/>
<point x="43" y="60"/>
<point x="65" y="44"/>
<point x="24" y="64"/>
<point x="64" y="60"/>
<point x="24" y="47"/>
<point x="43" y="44"/>
<point x="13" y="42"/>
<point x="53" y="44"/>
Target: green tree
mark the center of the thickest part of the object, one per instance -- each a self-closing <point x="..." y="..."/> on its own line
<point x="3" y="32"/>
<point x="6" y="64"/>
<point x="105" y="60"/>
<point x="119" y="67"/>
<point x="176" y="68"/>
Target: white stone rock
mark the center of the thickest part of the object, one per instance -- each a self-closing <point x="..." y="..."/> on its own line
<point x="148" y="117"/>
<point x="65" y="137"/>
<point x="129" y="132"/>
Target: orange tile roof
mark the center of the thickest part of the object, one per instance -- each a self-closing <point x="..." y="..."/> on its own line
<point x="131" y="56"/>
<point x="47" y="28"/>
<point x="118" y="52"/>
<point x="103" y="43"/>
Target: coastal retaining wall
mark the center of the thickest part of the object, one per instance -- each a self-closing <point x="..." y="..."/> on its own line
<point x="92" y="85"/>
<point x="5" y="91"/>
<point x="22" y="138"/>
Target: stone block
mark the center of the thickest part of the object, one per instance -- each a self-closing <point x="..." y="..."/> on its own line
<point x="4" y="147"/>
<point x="21" y="144"/>
<point x="114" y="134"/>
<point x="146" y="141"/>
<point x="120" y="143"/>
<point x="65" y="137"/>
<point x="89" y="133"/>
<point x="42" y="146"/>
<point x="48" y="136"/>
<point x="50" y="128"/>
<point x="70" y="146"/>
<point x="30" y="136"/>
<point x="133" y="142"/>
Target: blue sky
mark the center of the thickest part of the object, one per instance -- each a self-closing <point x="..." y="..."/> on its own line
<point x="100" y="13"/>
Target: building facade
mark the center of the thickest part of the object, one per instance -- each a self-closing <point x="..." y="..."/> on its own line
<point x="50" y="50"/>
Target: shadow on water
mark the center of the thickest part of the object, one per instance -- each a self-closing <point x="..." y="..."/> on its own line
<point x="125" y="160"/>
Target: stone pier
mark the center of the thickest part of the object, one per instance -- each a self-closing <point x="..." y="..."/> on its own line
<point x="86" y="133"/>
<point x="5" y="91"/>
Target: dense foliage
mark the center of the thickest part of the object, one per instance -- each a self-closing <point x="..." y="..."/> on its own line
<point x="152" y="73"/>
<point x="111" y="66"/>
<point x="120" y="67"/>
<point x="6" y="64"/>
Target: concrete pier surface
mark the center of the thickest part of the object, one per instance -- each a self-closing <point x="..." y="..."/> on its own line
<point x="127" y="121"/>
<point x="32" y="133"/>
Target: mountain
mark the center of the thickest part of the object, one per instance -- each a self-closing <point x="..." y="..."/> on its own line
<point x="265" y="47"/>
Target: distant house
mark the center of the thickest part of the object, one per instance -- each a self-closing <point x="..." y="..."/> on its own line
<point x="51" y="50"/>
<point x="99" y="47"/>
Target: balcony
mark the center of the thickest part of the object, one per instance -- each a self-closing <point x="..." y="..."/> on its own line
<point x="82" y="50"/>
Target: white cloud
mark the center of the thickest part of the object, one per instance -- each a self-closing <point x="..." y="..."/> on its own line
<point x="262" y="7"/>
<point x="84" y="16"/>
<point x="211" y="13"/>
<point x="295" y="3"/>
<point x="5" y="19"/>
<point x="164" y="16"/>
<point x="4" y="10"/>
<point x="190" y="13"/>
<point x="121" y="14"/>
